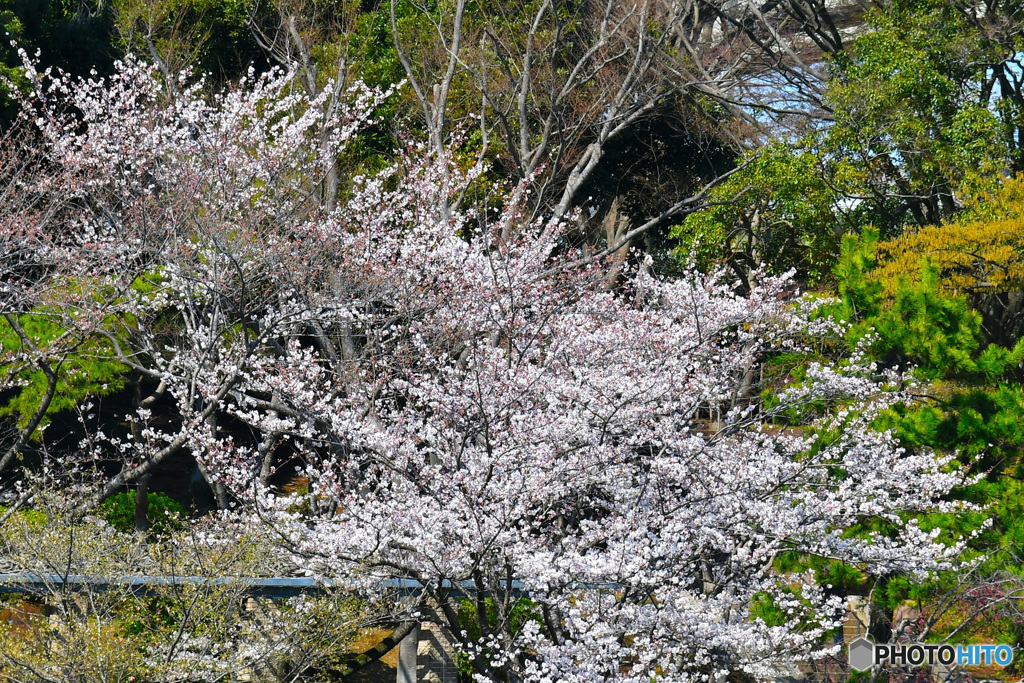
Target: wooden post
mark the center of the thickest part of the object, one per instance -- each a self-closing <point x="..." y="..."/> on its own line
<point x="142" y="503"/>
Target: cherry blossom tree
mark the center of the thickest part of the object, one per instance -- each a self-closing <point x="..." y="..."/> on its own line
<point x="473" y="408"/>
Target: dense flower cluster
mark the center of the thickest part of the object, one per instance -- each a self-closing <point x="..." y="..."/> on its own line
<point x="466" y="401"/>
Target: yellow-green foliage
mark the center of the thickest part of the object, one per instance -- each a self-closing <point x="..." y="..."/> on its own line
<point x="27" y="516"/>
<point x="203" y="630"/>
<point x="778" y="209"/>
<point x="982" y="252"/>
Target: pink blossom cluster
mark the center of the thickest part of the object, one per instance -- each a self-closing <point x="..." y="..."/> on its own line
<point x="468" y="402"/>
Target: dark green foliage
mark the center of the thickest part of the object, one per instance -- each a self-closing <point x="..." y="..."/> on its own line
<point x="521" y="611"/>
<point x="972" y="406"/>
<point x="230" y="48"/>
<point x="164" y="513"/>
<point x="148" y="616"/>
<point x="373" y="48"/>
<point x="893" y="591"/>
<point x="938" y="334"/>
<point x="843" y="578"/>
<point x="71" y="35"/>
<point x="861" y="295"/>
<point x="213" y="38"/>
<point x="927" y="110"/>
<point x="86" y="370"/>
<point x="374" y="60"/>
<point x="12" y="29"/>
<point x="983" y="424"/>
<point x="764" y="608"/>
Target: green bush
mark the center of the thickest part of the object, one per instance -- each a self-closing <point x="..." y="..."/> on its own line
<point x="164" y="513"/>
<point x="27" y="515"/>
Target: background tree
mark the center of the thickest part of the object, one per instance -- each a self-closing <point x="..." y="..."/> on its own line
<point x="211" y="37"/>
<point x="778" y="210"/>
<point x="976" y="256"/>
<point x="915" y="108"/>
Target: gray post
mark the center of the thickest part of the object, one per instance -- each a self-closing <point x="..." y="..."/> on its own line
<point x="407" y="656"/>
<point x="142" y="503"/>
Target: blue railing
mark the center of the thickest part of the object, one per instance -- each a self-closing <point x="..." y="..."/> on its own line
<point x="270" y="587"/>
